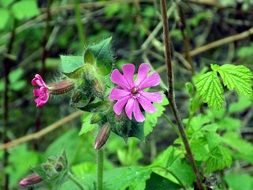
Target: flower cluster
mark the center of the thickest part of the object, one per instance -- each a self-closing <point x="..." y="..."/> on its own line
<point x="131" y="94"/>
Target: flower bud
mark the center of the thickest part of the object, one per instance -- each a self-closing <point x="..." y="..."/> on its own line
<point x="61" y="87"/>
<point x="102" y="136"/>
<point x="30" y="180"/>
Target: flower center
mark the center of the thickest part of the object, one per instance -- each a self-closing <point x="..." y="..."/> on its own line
<point x="134" y="90"/>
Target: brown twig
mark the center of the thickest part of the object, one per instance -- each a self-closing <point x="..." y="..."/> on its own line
<point x="186" y="41"/>
<point x="222" y="41"/>
<point x="41" y="133"/>
<point x="171" y="95"/>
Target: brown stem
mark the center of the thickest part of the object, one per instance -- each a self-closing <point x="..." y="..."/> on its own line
<point x="41" y="133"/>
<point x="186" y="41"/>
<point x="171" y="96"/>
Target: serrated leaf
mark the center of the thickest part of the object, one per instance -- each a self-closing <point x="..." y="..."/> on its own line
<point x="25" y="9"/>
<point x="238" y="78"/>
<point x="70" y="64"/>
<point x="151" y="118"/>
<point x="4" y="15"/>
<point x="209" y="89"/>
<point x="103" y="55"/>
<point x="219" y="158"/>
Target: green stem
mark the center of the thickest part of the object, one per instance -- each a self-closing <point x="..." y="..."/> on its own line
<point x="79" y="23"/>
<point x="100" y="163"/>
<point x="74" y="180"/>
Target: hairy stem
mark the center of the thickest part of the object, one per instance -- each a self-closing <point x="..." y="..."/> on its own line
<point x="100" y="163"/>
<point x="74" y="180"/>
<point x="171" y="95"/>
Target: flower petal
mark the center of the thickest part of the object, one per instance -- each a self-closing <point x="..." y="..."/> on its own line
<point x="36" y="92"/>
<point x="152" y="96"/>
<point x="129" y="107"/>
<point x="119" y="79"/>
<point x="128" y="72"/>
<point x="142" y="73"/>
<point x="118" y="107"/>
<point x="150" y="81"/>
<point x="37" y="80"/>
<point x="117" y="94"/>
<point x="146" y="104"/>
<point x="137" y="112"/>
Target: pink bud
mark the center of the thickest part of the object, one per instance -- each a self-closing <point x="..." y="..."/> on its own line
<point x="30" y="180"/>
<point x="102" y="136"/>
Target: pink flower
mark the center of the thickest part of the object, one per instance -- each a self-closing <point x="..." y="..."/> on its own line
<point x="41" y="93"/>
<point x="130" y="94"/>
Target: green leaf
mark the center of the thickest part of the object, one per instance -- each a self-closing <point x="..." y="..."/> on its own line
<point x="6" y="3"/>
<point x="219" y="158"/>
<point x="68" y="142"/>
<point x="25" y="9"/>
<point x="242" y="104"/>
<point x="199" y="150"/>
<point x="246" y="51"/>
<point x="122" y="178"/>
<point x="89" y="57"/>
<point x="4" y="15"/>
<point x="242" y="148"/>
<point x="22" y="160"/>
<point x="87" y="126"/>
<point x="16" y="75"/>
<point x="170" y="163"/>
<point x="158" y="182"/>
<point x="209" y="89"/>
<point x="152" y="118"/>
<point x="103" y="54"/>
<point x="18" y="85"/>
<point x="70" y="64"/>
<point x="237" y="181"/>
<point x="238" y="78"/>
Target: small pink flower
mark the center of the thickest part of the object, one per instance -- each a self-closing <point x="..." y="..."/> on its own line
<point x="41" y="93"/>
<point x="131" y="95"/>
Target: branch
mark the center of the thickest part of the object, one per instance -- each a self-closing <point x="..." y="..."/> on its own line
<point x="171" y="97"/>
<point x="222" y="41"/>
<point x="41" y="133"/>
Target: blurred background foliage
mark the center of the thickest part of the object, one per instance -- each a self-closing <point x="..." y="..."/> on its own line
<point x="34" y="33"/>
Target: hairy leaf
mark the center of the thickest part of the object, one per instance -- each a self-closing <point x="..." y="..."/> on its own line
<point x="103" y="55"/>
<point x="70" y="63"/>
